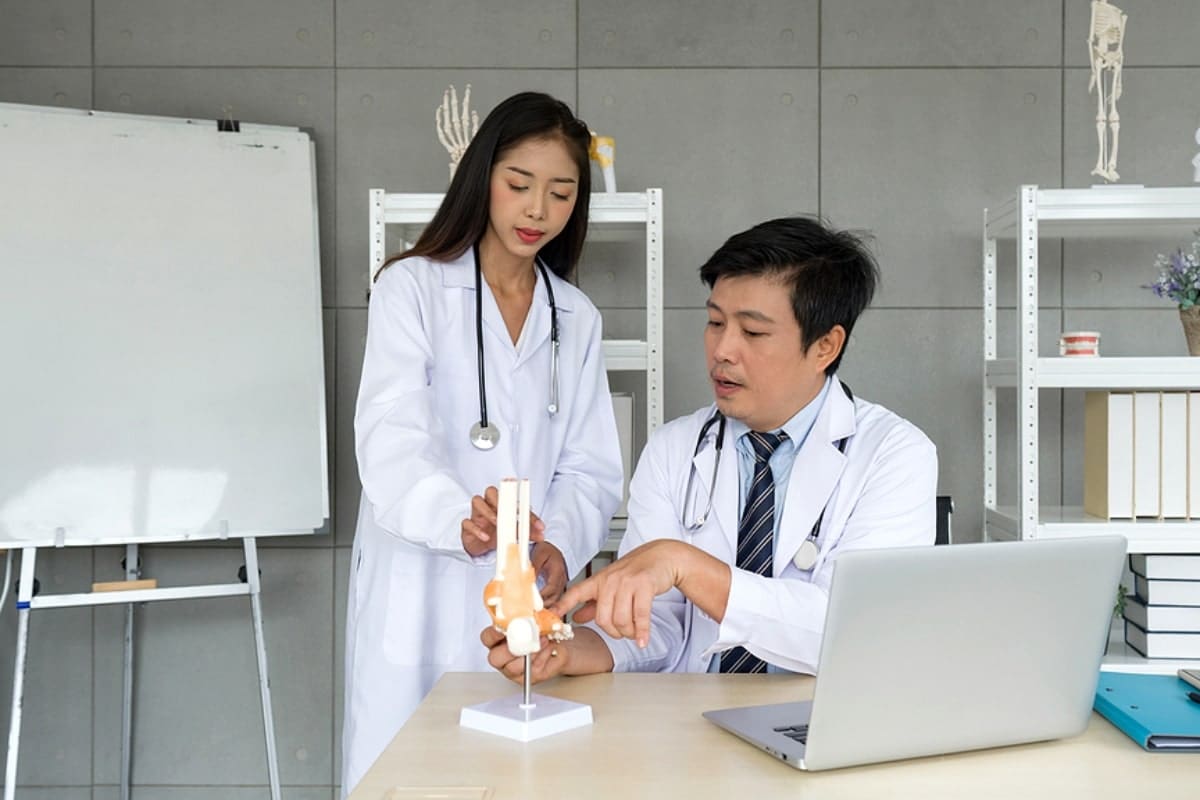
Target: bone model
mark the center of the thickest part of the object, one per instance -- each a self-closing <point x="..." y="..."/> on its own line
<point x="603" y="152"/>
<point x="455" y="128"/>
<point x="1105" y="43"/>
<point x="1196" y="161"/>
<point x="512" y="597"/>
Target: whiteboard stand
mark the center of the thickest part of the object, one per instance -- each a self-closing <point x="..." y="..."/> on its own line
<point x="26" y="602"/>
<point x="185" y="429"/>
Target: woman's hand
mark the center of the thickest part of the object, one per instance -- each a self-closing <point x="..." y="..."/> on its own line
<point x="549" y="565"/>
<point x="479" y="529"/>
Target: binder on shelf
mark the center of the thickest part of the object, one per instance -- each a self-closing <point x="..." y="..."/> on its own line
<point x="1147" y="437"/>
<point x="1167" y="593"/>
<point x="1173" y="449"/>
<point x="1108" y="454"/>
<point x="1153" y="710"/>
<point x="1166" y="566"/>
<point x="623" y="409"/>
<point x="1193" y="439"/>
<point x="1179" y="619"/>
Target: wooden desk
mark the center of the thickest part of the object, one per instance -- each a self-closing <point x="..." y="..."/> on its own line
<point x="649" y="740"/>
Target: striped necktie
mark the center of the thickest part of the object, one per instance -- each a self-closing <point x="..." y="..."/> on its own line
<point x="755" y="534"/>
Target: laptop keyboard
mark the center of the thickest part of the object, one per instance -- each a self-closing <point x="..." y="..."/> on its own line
<point x="797" y="733"/>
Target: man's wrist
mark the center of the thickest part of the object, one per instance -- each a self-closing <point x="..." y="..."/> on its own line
<point x="586" y="654"/>
<point x="704" y="580"/>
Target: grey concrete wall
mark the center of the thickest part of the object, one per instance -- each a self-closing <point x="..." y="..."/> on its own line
<point x="903" y="117"/>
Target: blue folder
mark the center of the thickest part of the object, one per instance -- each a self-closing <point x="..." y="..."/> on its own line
<point x="1153" y="710"/>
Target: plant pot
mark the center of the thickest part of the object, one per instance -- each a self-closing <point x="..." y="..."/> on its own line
<point x="1190" y="317"/>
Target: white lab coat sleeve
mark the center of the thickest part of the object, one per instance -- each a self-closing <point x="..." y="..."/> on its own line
<point x="402" y="460"/>
<point x="782" y="620"/>
<point x="588" y="478"/>
<point x="652" y="515"/>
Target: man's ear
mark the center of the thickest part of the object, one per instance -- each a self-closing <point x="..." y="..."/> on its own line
<point x="829" y="346"/>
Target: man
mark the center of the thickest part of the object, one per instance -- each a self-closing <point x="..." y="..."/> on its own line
<point x="738" y="513"/>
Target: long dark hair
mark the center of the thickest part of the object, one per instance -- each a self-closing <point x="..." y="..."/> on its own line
<point x="462" y="218"/>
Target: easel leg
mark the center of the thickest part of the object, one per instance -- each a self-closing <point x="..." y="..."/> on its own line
<point x="260" y="644"/>
<point x="24" y="595"/>
<point x="132" y="571"/>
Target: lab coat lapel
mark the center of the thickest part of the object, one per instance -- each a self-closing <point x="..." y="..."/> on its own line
<point x="493" y="323"/>
<point x="460" y="274"/>
<point x="537" y="324"/>
<point x="815" y="474"/>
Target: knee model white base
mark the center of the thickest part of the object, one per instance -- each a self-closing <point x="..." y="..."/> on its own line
<point x="508" y="717"/>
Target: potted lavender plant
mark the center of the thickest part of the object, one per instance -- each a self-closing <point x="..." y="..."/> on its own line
<point x="1179" y="282"/>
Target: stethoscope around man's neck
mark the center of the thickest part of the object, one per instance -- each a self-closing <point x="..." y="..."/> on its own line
<point x="806" y="555"/>
<point x="484" y="435"/>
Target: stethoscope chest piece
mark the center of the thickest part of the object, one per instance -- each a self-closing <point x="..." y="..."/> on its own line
<point x="484" y="437"/>
<point x="806" y="556"/>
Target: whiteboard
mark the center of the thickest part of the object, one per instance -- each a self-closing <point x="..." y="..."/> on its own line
<point x="160" y="330"/>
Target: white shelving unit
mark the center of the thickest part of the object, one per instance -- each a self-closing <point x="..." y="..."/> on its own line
<point x="1102" y="212"/>
<point x="617" y="215"/>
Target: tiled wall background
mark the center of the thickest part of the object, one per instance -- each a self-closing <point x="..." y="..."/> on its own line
<point x="904" y="117"/>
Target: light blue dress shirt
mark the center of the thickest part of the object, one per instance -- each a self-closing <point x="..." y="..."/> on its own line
<point x="797" y="428"/>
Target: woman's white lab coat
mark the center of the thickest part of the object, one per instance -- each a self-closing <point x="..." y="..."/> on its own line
<point x="880" y="493"/>
<point x="415" y="606"/>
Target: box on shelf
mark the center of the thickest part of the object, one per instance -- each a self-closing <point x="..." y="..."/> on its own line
<point x="623" y="409"/>
<point x="1142" y="455"/>
<point x="1193" y="456"/>
<point x="1173" y="452"/>
<point x="1108" y="454"/>
<point x="1147" y="450"/>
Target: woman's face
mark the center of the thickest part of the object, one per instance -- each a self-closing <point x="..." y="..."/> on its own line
<point x="533" y="191"/>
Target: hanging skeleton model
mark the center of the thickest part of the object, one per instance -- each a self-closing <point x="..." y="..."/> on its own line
<point x="1105" y="42"/>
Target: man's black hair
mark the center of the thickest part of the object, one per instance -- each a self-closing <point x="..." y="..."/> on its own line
<point x="831" y="274"/>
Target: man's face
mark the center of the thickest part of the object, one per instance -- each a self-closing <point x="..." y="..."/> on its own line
<point x="760" y="373"/>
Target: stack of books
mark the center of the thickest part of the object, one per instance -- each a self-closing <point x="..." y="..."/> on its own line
<point x="1162" y="620"/>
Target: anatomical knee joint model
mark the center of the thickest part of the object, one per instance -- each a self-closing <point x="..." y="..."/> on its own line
<point x="512" y="597"/>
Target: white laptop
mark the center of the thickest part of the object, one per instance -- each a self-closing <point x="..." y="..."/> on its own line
<point x="932" y="650"/>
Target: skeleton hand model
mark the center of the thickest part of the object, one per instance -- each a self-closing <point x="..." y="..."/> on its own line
<point x="1105" y="43"/>
<point x="512" y="597"/>
<point x="603" y="152"/>
<point x="455" y="129"/>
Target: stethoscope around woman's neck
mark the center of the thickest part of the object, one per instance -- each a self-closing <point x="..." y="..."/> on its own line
<point x="806" y="555"/>
<point x="484" y="435"/>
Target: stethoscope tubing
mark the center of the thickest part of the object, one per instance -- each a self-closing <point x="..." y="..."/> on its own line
<point x="693" y="524"/>
<point x="481" y="435"/>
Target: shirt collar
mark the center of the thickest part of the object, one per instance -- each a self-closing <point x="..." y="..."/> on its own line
<point x="797" y="428"/>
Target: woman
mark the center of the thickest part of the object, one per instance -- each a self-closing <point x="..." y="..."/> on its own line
<point x="465" y="382"/>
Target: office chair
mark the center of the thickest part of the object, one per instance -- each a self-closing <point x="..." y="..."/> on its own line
<point x="945" y="507"/>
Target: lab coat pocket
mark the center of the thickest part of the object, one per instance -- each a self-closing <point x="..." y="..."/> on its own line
<point x="425" y="605"/>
